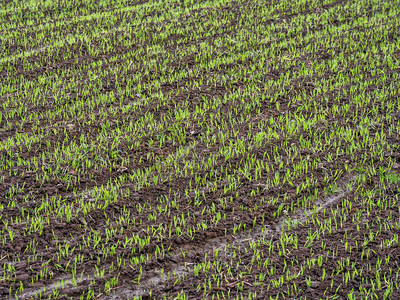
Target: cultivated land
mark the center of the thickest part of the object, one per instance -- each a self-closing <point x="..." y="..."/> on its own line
<point x="199" y="149"/>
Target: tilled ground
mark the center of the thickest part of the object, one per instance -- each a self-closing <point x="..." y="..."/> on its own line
<point x="199" y="150"/>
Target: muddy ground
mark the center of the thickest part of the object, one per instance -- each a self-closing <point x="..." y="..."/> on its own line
<point x="336" y="237"/>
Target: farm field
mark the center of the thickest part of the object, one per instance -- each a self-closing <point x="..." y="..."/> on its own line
<point x="199" y="149"/>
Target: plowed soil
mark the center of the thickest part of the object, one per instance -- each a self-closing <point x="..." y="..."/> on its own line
<point x="127" y="128"/>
